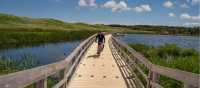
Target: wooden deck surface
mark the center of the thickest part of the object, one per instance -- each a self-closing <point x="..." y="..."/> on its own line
<point x="97" y="71"/>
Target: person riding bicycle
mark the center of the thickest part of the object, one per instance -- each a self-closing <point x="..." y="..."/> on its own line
<point x="100" y="39"/>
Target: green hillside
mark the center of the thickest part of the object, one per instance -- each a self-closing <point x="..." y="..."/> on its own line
<point x="18" y="31"/>
<point x="11" y="22"/>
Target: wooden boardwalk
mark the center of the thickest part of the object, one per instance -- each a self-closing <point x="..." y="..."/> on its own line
<point x="97" y="71"/>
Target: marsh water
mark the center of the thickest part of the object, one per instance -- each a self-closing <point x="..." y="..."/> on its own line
<point x="159" y="40"/>
<point x="44" y="54"/>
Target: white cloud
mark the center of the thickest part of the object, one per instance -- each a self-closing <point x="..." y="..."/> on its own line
<point x="110" y="4"/>
<point x="184" y="6"/>
<point x="138" y="9"/>
<point x="116" y="7"/>
<point x="86" y="3"/>
<point x="195" y="1"/>
<point x="168" y="4"/>
<point x="171" y="15"/>
<point x="186" y="16"/>
<point x="122" y="6"/>
<point x="143" y="8"/>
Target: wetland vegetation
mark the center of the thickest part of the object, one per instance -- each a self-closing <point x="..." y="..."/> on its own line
<point x="173" y="56"/>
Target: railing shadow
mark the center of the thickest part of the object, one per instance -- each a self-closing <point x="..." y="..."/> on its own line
<point x="94" y="56"/>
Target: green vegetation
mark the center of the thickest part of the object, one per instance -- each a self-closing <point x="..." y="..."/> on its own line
<point x="18" y="39"/>
<point x="18" y="31"/>
<point x="16" y="23"/>
<point x="51" y="81"/>
<point x="9" y="65"/>
<point x="162" y="29"/>
<point x="23" y="31"/>
<point x="170" y="55"/>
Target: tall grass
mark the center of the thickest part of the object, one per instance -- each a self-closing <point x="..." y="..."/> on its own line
<point x="9" y="65"/>
<point x="27" y="61"/>
<point x="26" y="38"/>
<point x="173" y="56"/>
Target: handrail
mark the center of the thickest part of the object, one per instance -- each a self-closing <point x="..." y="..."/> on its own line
<point x="39" y="74"/>
<point x="188" y="78"/>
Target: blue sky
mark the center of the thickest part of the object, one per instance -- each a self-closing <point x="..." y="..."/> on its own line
<point x="131" y="12"/>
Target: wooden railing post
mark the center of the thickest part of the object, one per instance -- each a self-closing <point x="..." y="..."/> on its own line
<point x="65" y="72"/>
<point x="149" y="79"/>
<point x="42" y="83"/>
<point x="64" y="85"/>
<point x="153" y="77"/>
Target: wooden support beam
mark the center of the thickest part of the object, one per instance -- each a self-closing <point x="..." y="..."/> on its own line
<point x="42" y="83"/>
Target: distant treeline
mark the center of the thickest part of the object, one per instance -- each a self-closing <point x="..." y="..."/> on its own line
<point x="162" y="29"/>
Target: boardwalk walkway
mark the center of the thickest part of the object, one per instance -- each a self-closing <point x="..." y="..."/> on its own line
<point x="98" y="71"/>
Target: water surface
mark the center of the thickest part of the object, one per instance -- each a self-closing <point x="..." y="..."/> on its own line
<point x="158" y="40"/>
<point x="45" y="54"/>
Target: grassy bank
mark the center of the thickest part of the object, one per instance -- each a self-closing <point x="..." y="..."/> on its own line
<point x="170" y="55"/>
<point x="28" y="38"/>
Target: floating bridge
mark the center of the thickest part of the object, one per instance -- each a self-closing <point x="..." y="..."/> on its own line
<point x="118" y="66"/>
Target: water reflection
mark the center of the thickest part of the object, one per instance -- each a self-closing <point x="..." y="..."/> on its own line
<point x="45" y="54"/>
<point x="158" y="40"/>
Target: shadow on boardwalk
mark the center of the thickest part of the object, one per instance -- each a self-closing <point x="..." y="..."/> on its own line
<point x="94" y="56"/>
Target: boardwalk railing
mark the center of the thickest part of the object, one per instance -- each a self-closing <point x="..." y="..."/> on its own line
<point x="39" y="75"/>
<point x="136" y="62"/>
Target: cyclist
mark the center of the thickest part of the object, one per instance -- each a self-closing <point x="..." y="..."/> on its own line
<point x="100" y="39"/>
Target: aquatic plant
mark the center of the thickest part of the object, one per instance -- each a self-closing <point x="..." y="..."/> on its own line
<point x="9" y="65"/>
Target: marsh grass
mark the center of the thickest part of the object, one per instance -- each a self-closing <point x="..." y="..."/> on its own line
<point x="170" y="55"/>
<point x="9" y="65"/>
<point x="24" y="38"/>
<point x="173" y="56"/>
<point x="27" y="61"/>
